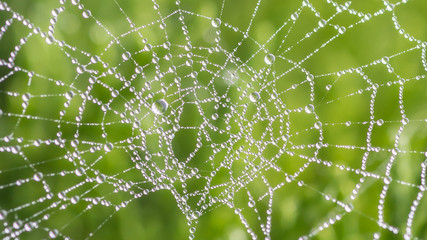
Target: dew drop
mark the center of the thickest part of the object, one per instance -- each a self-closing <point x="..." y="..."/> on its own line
<point x="92" y="80"/>
<point x="251" y="203"/>
<point x="115" y="93"/>
<point x="74" y="143"/>
<point x="86" y="14"/>
<point x="254" y="97"/>
<point x="94" y="59"/>
<point x="322" y="23"/>
<point x="53" y="233"/>
<point x="405" y="121"/>
<point x="50" y="40"/>
<point x="26" y="97"/>
<point x="341" y="30"/>
<point x="108" y="147"/>
<point x="375" y="86"/>
<point x="166" y="45"/>
<point x="38" y="176"/>
<point x="216" y="22"/>
<point x="215" y="116"/>
<point x="138" y="69"/>
<point x="148" y="47"/>
<point x="79" y="171"/>
<point x="17" y="224"/>
<point x="285" y="137"/>
<point x="269" y="59"/>
<point x="188" y="47"/>
<point x="69" y="95"/>
<point x="384" y="60"/>
<point x="309" y="108"/>
<point x="394" y="151"/>
<point x="195" y="215"/>
<point x="294" y="16"/>
<point x="80" y="69"/>
<point x="348" y="207"/>
<point x="159" y="107"/>
<point x="3" y="214"/>
<point x="139" y="165"/>
<point x="274" y="95"/>
<point x="100" y="178"/>
<point x="27" y="227"/>
<point x="387" y="180"/>
<point x="318" y="125"/>
<point x="74" y="199"/>
<point x="126" y="56"/>
<point x="104" y="107"/>
<point x="56" y="12"/>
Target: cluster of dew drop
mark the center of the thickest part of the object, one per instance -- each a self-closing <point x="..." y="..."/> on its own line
<point x="159" y="107"/>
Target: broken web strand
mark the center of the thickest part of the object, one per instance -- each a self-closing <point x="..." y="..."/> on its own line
<point x="107" y="147"/>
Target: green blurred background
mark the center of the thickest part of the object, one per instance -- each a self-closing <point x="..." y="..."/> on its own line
<point x="296" y="210"/>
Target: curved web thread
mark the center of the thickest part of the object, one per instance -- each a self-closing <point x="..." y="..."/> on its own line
<point x="220" y="120"/>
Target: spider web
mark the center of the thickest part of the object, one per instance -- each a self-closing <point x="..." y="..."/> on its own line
<point x="246" y="112"/>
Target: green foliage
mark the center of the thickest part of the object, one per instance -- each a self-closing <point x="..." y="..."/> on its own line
<point x="214" y="155"/>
